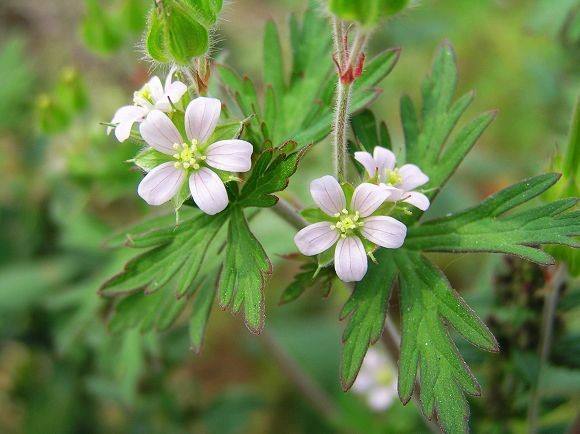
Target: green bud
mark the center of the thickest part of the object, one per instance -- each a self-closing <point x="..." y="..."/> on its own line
<point x="366" y="12"/>
<point x="178" y="30"/>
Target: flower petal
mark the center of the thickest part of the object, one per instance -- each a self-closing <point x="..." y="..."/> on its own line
<point x="368" y="162"/>
<point x="418" y="200"/>
<point x="160" y="133"/>
<point x="169" y="77"/>
<point x="381" y="397"/>
<point x="125" y="117"/>
<point x="328" y="195"/>
<point x="394" y="194"/>
<point x="367" y="198"/>
<point x="384" y="159"/>
<point x="412" y="176"/>
<point x="208" y="191"/>
<point x="350" y="259"/>
<point x="156" y="88"/>
<point x="230" y="155"/>
<point x="161" y="184"/>
<point x="201" y="117"/>
<point x="384" y="231"/>
<point x="316" y="238"/>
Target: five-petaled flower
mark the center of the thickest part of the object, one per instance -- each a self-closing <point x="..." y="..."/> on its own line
<point x="377" y="380"/>
<point x="346" y="225"/>
<point x="192" y="157"/>
<point x="152" y="96"/>
<point x="399" y="182"/>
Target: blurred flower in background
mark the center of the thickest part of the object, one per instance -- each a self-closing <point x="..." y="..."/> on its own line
<point x="377" y="380"/>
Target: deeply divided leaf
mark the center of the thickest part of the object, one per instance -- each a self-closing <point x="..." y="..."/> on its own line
<point x="366" y="310"/>
<point x="427" y="351"/>
<point x="487" y="228"/>
<point x="245" y="271"/>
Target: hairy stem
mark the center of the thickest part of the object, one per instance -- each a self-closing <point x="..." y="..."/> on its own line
<point x="289" y="214"/>
<point x="346" y="62"/>
<point x="550" y="305"/>
<point x="318" y="398"/>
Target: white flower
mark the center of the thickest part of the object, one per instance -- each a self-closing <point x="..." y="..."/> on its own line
<point x="347" y="224"/>
<point x="152" y="96"/>
<point x="377" y="380"/>
<point x="192" y="157"/>
<point x="400" y="182"/>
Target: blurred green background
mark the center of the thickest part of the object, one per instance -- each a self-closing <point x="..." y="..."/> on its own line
<point x="65" y="66"/>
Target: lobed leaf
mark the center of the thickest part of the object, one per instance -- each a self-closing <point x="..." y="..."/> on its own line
<point x="271" y="174"/>
<point x="426" y="348"/>
<point x="485" y="228"/>
<point x="310" y="276"/>
<point x="244" y="273"/>
<point x="366" y="309"/>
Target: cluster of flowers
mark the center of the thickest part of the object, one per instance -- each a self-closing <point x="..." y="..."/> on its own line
<point x="348" y="225"/>
<point x="207" y="165"/>
<point x="189" y="155"/>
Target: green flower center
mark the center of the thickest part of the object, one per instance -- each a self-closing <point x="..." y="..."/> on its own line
<point x="385" y="376"/>
<point x="188" y="155"/>
<point x="346" y="223"/>
<point x="393" y="177"/>
<point x="143" y="93"/>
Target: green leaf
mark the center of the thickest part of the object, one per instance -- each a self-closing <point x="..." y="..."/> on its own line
<point x="202" y="304"/>
<point x="429" y="141"/>
<point x="426" y="301"/>
<point x="148" y="159"/>
<point x="273" y="61"/>
<point x="301" y="109"/>
<point x="368" y="132"/>
<point x="485" y="228"/>
<point x="366" y="309"/>
<point x="184" y="250"/>
<point x="271" y="174"/>
<point x="306" y="279"/>
<point x="98" y="30"/>
<point x="147" y="312"/>
<point x="244" y="274"/>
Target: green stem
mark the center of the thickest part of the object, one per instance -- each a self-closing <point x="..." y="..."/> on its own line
<point x="550" y="305"/>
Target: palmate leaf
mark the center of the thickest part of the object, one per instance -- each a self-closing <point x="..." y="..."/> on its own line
<point x="244" y="273"/>
<point x="486" y="228"/>
<point x="366" y="309"/>
<point x="310" y="276"/>
<point x="429" y="141"/>
<point x="300" y="107"/>
<point x="271" y="174"/>
<point x="426" y="300"/>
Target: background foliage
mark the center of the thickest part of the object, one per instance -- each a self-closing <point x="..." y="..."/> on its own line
<point x="64" y="369"/>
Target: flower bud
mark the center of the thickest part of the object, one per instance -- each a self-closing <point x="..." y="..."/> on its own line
<point x="366" y="12"/>
<point x="178" y="30"/>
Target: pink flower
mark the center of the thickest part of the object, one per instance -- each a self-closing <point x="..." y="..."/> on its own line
<point x="152" y="96"/>
<point x="399" y="182"/>
<point x="193" y="157"/>
<point x="347" y="224"/>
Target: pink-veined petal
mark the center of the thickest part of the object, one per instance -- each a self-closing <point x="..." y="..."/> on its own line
<point x="201" y="118"/>
<point x="328" y="195"/>
<point x="316" y="238"/>
<point x="350" y="259"/>
<point x="384" y="231"/>
<point x="367" y="198"/>
<point x="418" y="200"/>
<point x="125" y="117"/>
<point x="160" y="133"/>
<point x="169" y="78"/>
<point x="161" y="184"/>
<point x="412" y="177"/>
<point x="208" y="191"/>
<point x="394" y="194"/>
<point x="230" y="155"/>
<point x="368" y="162"/>
<point x="384" y="159"/>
